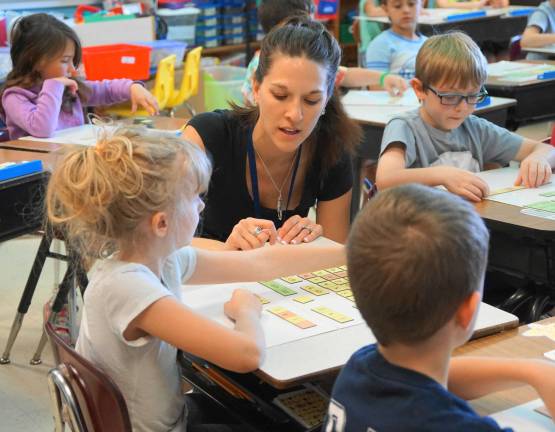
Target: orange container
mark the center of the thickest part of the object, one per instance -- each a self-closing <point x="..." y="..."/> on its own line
<point x="116" y="61"/>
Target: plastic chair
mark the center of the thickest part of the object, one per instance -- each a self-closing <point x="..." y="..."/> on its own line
<point x="93" y="401"/>
<point x="189" y="83"/>
<point x="163" y="90"/>
<point x="515" y="51"/>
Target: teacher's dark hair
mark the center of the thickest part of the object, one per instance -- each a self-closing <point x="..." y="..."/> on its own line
<point x="335" y="133"/>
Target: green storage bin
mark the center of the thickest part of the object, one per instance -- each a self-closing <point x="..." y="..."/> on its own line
<point x="221" y="85"/>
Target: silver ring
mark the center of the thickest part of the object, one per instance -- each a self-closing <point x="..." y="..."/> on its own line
<point x="308" y="228"/>
<point x="257" y="231"/>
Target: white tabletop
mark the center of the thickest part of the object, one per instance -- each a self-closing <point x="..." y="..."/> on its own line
<point x="438" y="15"/>
<point x="379" y="115"/>
<point x="549" y="49"/>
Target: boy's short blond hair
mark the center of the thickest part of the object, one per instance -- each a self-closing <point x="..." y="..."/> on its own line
<point x="414" y="255"/>
<point x="451" y="59"/>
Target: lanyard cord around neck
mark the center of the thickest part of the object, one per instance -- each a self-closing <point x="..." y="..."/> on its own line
<point x="254" y="176"/>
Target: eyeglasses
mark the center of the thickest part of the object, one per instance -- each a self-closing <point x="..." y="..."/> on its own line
<point x="457" y="98"/>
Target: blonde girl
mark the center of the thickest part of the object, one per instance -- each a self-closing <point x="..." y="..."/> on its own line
<point x="133" y="202"/>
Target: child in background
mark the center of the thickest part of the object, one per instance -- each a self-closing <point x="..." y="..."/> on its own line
<point x="417" y="258"/>
<point x="273" y="12"/>
<point x="42" y="93"/>
<point x="395" y="49"/>
<point x="540" y="30"/>
<point x="132" y="201"/>
<point x="368" y="29"/>
<point x="441" y="143"/>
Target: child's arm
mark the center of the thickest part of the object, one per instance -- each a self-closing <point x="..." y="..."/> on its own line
<point x="39" y="118"/>
<point x="461" y="5"/>
<point x="536" y="162"/>
<point x="474" y="377"/>
<point x="109" y="92"/>
<point x="533" y="37"/>
<point x="240" y="349"/>
<point x="361" y="77"/>
<point x="392" y="172"/>
<point x="266" y="263"/>
<point x="373" y="10"/>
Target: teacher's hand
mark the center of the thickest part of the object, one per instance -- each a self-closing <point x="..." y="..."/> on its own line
<point x="297" y="230"/>
<point x="251" y="233"/>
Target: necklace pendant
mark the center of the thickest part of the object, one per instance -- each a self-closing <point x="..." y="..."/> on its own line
<point x="279" y="209"/>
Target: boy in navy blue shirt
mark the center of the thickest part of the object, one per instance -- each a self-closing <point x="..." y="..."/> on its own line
<point x="416" y="259"/>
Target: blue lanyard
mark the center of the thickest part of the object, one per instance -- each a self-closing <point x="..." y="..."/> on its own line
<point x="254" y="176"/>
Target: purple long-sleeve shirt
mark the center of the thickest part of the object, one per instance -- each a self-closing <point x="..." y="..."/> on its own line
<point x="38" y="112"/>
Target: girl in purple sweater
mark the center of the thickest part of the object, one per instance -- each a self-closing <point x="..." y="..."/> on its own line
<point x="43" y="94"/>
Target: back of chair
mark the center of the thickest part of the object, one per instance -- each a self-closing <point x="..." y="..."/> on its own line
<point x="190" y="81"/>
<point x="164" y="81"/>
<point x="101" y="403"/>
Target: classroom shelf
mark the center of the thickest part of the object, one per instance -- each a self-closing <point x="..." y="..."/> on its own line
<point x="228" y="49"/>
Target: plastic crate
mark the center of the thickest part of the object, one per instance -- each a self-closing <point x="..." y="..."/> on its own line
<point x="164" y="48"/>
<point x="117" y="61"/>
<point x="181" y="23"/>
<point x="221" y="85"/>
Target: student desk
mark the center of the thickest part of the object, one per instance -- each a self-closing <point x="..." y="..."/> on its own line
<point x="20" y="197"/>
<point x="373" y="119"/>
<point x="498" y="25"/>
<point x="507" y="344"/>
<point x="291" y="364"/>
<point x="535" y="97"/>
<point x="549" y="50"/>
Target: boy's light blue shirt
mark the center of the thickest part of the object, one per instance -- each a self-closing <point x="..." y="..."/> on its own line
<point x="544" y="19"/>
<point x="394" y="53"/>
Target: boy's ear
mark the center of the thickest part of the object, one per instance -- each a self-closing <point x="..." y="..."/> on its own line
<point x="418" y="88"/>
<point x="464" y="315"/>
<point x="159" y="224"/>
<point x="255" y="89"/>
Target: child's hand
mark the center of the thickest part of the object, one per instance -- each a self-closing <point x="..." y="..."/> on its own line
<point x="534" y="171"/>
<point x="141" y="96"/>
<point x="544" y="383"/>
<point x="242" y="301"/>
<point x="464" y="183"/>
<point x="69" y="84"/>
<point x="298" y="230"/>
<point x="395" y="85"/>
<point x="251" y="233"/>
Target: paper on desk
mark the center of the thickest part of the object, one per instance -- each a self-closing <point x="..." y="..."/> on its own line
<point x="208" y="300"/>
<point x="81" y="135"/>
<point x="523" y="418"/>
<point x="363" y="97"/>
<point x="517" y="72"/>
<point x="505" y="177"/>
<point x="88" y="135"/>
<point x="503" y="67"/>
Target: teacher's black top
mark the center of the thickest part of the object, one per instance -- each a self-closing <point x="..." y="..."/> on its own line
<point x="228" y="199"/>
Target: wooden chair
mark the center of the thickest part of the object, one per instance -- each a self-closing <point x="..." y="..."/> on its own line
<point x="91" y="399"/>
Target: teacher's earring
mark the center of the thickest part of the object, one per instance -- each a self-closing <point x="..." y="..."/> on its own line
<point x="323" y="112"/>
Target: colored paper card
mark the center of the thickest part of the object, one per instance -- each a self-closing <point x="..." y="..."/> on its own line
<point x="343" y="267"/>
<point x="330" y="277"/>
<point x="328" y="285"/>
<point x="292" y="279"/>
<point x="329" y="313"/>
<point x="341" y="281"/>
<point x="548" y="194"/>
<point x="334" y="270"/>
<point x="342" y="273"/>
<point x="334" y="288"/>
<point x="543" y="205"/>
<point x="316" y="280"/>
<point x="263" y="300"/>
<point x="320" y="273"/>
<point x="303" y="299"/>
<point x="547" y="330"/>
<point x="279" y="288"/>
<point x="505" y="190"/>
<point x="291" y="317"/>
<point x="346" y="293"/>
<point x="314" y="289"/>
<point x="352" y="298"/>
<point x="307" y="275"/>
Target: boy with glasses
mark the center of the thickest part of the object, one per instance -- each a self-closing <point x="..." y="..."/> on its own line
<point x="441" y="143"/>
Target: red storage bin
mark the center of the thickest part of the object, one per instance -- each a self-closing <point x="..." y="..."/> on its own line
<point x="117" y="61"/>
